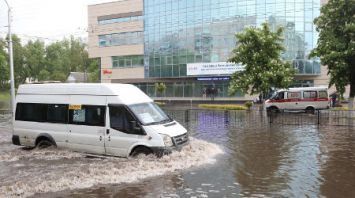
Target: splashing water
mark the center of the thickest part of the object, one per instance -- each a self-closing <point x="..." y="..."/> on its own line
<point x="39" y="171"/>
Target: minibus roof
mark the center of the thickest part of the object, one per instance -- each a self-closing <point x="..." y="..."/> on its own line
<point x="305" y="89"/>
<point x="127" y="92"/>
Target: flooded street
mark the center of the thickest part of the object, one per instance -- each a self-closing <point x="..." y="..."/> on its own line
<point x="229" y="156"/>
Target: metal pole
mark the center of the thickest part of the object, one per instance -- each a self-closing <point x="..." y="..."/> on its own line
<point x="11" y="59"/>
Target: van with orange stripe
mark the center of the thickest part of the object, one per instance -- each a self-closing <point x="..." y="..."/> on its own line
<point x="304" y="98"/>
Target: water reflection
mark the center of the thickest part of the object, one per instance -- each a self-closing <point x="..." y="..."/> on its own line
<point x="260" y="160"/>
<point x="260" y="154"/>
<point x="154" y="187"/>
<point x="338" y="169"/>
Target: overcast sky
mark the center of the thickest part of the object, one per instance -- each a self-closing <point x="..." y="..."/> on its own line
<point x="48" y="20"/>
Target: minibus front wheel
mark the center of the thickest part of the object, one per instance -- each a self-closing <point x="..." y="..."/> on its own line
<point x="44" y="142"/>
<point x="141" y="150"/>
<point x="273" y="109"/>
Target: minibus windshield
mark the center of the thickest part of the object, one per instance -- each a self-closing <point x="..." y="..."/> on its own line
<point x="149" y="113"/>
<point x="274" y="95"/>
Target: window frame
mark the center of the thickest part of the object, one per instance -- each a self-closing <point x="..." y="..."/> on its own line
<point x="294" y="92"/>
<point x="316" y="96"/>
<point x="139" y="124"/>
<point x="319" y="93"/>
<point x="71" y="111"/>
<point x="23" y="104"/>
<point x="20" y="106"/>
<point x="66" y="119"/>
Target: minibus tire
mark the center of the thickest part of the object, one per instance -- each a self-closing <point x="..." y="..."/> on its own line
<point x="141" y="150"/>
<point x="310" y="110"/>
<point x="273" y="109"/>
<point x="44" y="143"/>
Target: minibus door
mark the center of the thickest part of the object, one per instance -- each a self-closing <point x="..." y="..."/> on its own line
<point x="119" y="137"/>
<point x="87" y="128"/>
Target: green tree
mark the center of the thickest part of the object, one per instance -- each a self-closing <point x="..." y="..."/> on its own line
<point x="259" y="49"/>
<point x="4" y="67"/>
<point x="34" y="53"/>
<point x="44" y="75"/>
<point x="160" y="88"/>
<point x="78" y="55"/>
<point x="69" y="55"/>
<point x="20" y="70"/>
<point x="336" y="43"/>
<point x="57" y="60"/>
<point x="94" y="70"/>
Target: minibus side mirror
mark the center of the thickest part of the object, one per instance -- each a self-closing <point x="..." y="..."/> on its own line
<point x="134" y="128"/>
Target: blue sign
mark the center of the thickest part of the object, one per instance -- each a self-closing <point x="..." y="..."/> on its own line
<point x="213" y="78"/>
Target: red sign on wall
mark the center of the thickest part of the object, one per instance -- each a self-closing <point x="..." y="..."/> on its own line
<point x="106" y="71"/>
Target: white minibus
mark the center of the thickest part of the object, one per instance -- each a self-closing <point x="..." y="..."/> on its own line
<point x="308" y="99"/>
<point x="105" y="119"/>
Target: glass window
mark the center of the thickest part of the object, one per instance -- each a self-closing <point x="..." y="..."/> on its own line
<point x="57" y="113"/>
<point x="293" y="95"/>
<point x="31" y="112"/>
<point x="88" y="115"/>
<point x="125" y="38"/>
<point x="278" y="96"/>
<point x="149" y="113"/>
<point x="120" y="119"/>
<point x="102" y="41"/>
<point x="309" y="94"/>
<point x="323" y="94"/>
<point x="119" y="20"/>
<point x="128" y="61"/>
<point x="135" y="61"/>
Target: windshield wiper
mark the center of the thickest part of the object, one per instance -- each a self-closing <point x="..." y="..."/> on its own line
<point x="160" y="122"/>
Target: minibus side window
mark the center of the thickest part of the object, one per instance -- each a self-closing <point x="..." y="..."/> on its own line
<point x="31" y="112"/>
<point x="280" y="96"/>
<point x="293" y="95"/>
<point x="322" y="94"/>
<point x="120" y="119"/>
<point x="310" y="94"/>
<point x="88" y="115"/>
<point x="57" y="113"/>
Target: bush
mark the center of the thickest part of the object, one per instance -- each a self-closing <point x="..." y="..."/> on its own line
<point x="340" y="109"/>
<point x="248" y="104"/>
<point x="222" y="106"/>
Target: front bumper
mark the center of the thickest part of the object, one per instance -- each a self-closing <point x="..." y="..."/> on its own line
<point x="166" y="150"/>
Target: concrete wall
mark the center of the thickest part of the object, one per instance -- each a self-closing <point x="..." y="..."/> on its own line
<point x="105" y="53"/>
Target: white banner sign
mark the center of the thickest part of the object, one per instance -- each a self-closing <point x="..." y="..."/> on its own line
<point x="221" y="68"/>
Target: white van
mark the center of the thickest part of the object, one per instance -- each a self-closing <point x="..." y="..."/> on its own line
<point x="304" y="98"/>
<point x="108" y="119"/>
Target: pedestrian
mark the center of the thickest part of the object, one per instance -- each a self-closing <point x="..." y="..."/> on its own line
<point x="204" y="92"/>
<point x="213" y="93"/>
<point x="334" y="99"/>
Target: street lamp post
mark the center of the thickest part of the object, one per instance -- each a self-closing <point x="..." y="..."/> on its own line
<point x="11" y="60"/>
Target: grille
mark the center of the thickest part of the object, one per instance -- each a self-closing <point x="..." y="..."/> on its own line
<point x="181" y="139"/>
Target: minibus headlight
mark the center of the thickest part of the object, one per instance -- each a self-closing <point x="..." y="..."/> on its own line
<point x="167" y="140"/>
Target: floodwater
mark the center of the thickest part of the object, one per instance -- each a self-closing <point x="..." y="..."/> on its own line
<point x="239" y="156"/>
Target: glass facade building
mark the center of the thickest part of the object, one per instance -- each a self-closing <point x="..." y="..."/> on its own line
<point x="193" y="31"/>
<point x="177" y="33"/>
<point x="149" y="41"/>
